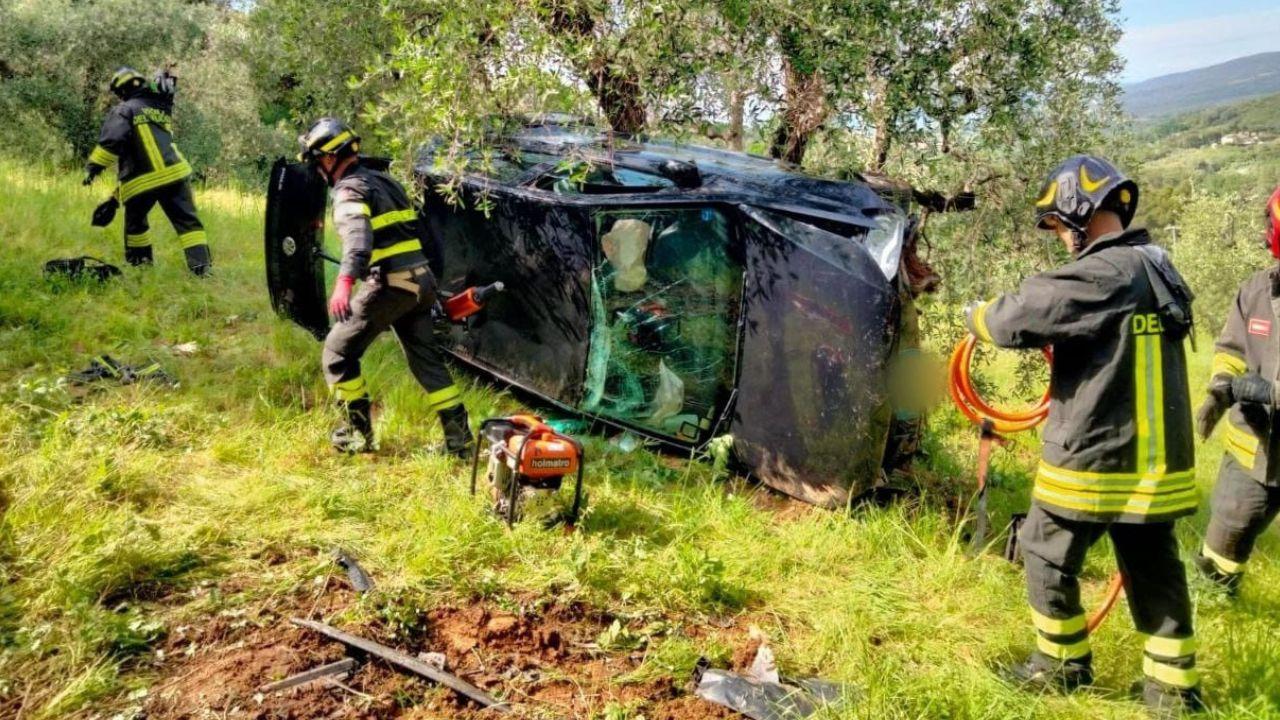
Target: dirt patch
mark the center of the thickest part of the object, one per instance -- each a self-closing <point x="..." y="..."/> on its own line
<point x="544" y="660"/>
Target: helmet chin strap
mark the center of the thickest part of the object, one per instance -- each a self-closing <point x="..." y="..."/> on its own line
<point x="1078" y="241"/>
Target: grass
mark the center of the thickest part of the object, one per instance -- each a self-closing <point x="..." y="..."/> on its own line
<point x="133" y="510"/>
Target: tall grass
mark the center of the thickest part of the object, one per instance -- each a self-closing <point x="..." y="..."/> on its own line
<point x="124" y="505"/>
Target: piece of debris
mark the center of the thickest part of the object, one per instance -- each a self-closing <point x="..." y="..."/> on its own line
<point x="405" y="663"/>
<point x="434" y="659"/>
<point x="186" y="348"/>
<point x="105" y="367"/>
<point x="84" y="267"/>
<point x="761" y="693"/>
<point x="359" y="579"/>
<point x="334" y="670"/>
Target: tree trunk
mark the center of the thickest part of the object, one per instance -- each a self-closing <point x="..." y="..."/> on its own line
<point x="880" y="147"/>
<point x="804" y="110"/>
<point x="618" y="93"/>
<point x="737" y="110"/>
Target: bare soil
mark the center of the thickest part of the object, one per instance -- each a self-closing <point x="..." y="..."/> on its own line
<point x="544" y="661"/>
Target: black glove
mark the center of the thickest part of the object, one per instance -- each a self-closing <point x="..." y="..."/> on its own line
<point x="1220" y="398"/>
<point x="1253" y="388"/>
<point x="91" y="171"/>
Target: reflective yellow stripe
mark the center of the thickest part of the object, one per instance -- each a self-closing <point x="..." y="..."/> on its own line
<point x="1169" y="675"/>
<point x="1122" y="493"/>
<point x="1058" y="651"/>
<point x="1225" y="364"/>
<point x="349" y="390"/>
<point x="148" y="137"/>
<point x="399" y="248"/>
<point x="1053" y="626"/>
<point x="1090" y="482"/>
<point x="193" y="238"/>
<point x="342" y="137"/>
<point x="1149" y="403"/>
<point x="139" y="240"/>
<point x="1225" y="565"/>
<point x="445" y="398"/>
<point x="1242" y="445"/>
<point x="153" y="180"/>
<point x="102" y="156"/>
<point x="980" y="321"/>
<point x="392" y="218"/>
<point x="1170" y="647"/>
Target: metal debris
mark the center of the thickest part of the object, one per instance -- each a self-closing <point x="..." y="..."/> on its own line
<point x="405" y="663"/>
<point x="333" y="670"/>
<point x="360" y="579"/>
<point x="762" y="693"/>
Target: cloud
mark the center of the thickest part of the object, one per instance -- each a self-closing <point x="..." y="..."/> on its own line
<point x="1189" y="44"/>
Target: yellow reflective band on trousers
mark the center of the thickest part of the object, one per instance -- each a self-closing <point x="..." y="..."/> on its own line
<point x="1053" y="626"/>
<point x="405" y="246"/>
<point x="1060" y="651"/>
<point x="192" y="239"/>
<point x="137" y="241"/>
<point x="1169" y="675"/>
<point x="1227" y="364"/>
<point x="445" y="398"/>
<point x="1242" y="445"/>
<point x="395" y="217"/>
<point x="1170" y="647"/>
<point x="1225" y="565"/>
<point x="102" y="156"/>
<point x="348" y="390"/>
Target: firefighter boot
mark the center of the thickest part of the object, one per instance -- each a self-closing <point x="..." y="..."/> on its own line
<point x="457" y="432"/>
<point x="138" y="255"/>
<point x="1041" y="672"/>
<point x="356" y="434"/>
<point x="1229" y="582"/>
<point x="1165" y="702"/>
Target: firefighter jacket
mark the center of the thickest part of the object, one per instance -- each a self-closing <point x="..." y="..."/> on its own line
<point x="138" y="135"/>
<point x="1117" y="445"/>
<point x="377" y="224"/>
<point x="1248" y="344"/>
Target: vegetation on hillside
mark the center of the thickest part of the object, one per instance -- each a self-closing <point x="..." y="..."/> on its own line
<point x="150" y="530"/>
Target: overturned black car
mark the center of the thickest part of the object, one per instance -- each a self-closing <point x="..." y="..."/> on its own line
<point x="683" y="293"/>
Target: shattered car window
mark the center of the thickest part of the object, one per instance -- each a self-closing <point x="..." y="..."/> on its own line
<point x="598" y="179"/>
<point x="667" y="288"/>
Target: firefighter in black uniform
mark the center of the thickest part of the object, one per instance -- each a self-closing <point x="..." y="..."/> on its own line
<point x="138" y="136"/>
<point x="1117" y="456"/>
<point x="382" y="245"/>
<point x="1246" y="498"/>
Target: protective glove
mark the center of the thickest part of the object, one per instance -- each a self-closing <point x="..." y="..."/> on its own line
<point x="91" y="171"/>
<point x="1220" y="398"/>
<point x="340" y="300"/>
<point x="1253" y="388"/>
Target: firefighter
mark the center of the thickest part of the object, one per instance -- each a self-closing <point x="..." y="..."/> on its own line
<point x="382" y="246"/>
<point x="1246" y="498"/>
<point x="137" y="136"/>
<point x="1117" y="456"/>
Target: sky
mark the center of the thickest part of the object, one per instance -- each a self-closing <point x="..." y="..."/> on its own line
<point x="1169" y="36"/>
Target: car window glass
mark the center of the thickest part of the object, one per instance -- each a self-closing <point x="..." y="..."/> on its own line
<point x="666" y="291"/>
<point x="570" y="178"/>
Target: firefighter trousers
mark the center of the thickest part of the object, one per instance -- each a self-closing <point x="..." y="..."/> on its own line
<point x="399" y="301"/>
<point x="1242" y="509"/>
<point x="1053" y="550"/>
<point x="179" y="206"/>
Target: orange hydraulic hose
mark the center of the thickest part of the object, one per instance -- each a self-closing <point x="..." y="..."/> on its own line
<point x="972" y="406"/>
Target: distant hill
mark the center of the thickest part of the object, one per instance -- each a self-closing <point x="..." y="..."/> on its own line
<point x="1227" y="82"/>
